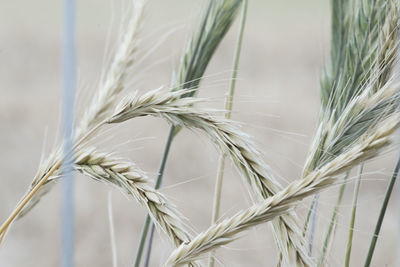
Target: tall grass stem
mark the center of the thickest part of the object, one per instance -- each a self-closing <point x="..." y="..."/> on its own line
<point x="353" y="217"/>
<point x="332" y="223"/>
<point x="382" y="214"/>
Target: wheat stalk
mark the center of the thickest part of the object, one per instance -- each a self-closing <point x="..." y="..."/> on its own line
<point x="283" y="201"/>
<point x="232" y="141"/>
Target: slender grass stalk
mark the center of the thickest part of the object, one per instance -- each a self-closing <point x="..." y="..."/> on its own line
<point x="353" y="217"/>
<point x="171" y="134"/>
<point x="308" y="217"/>
<point x="228" y="112"/>
<point x="382" y="214"/>
<point x="112" y="230"/>
<point x="313" y="216"/>
<point x="332" y="224"/>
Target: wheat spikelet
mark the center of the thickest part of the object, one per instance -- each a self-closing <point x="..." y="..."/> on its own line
<point x="237" y="145"/>
<point x="126" y="176"/>
<point x="363" y="55"/>
<point x="115" y="78"/>
<point x="283" y="201"/>
<point x="203" y="45"/>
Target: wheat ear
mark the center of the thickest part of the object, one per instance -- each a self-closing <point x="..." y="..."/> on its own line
<point x="114" y="80"/>
<point x="232" y="141"/>
<point x="283" y="201"/>
<point x="126" y="176"/>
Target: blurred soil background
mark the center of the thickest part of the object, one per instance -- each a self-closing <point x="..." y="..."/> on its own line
<point x="277" y="102"/>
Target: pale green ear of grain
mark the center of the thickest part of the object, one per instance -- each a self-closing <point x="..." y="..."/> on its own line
<point x="128" y="178"/>
<point x="363" y="54"/>
<point x="358" y="49"/>
<point x="366" y="60"/>
<point x="195" y="61"/>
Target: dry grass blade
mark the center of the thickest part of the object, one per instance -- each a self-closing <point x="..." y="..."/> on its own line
<point x="283" y="201"/>
<point x="232" y="141"/>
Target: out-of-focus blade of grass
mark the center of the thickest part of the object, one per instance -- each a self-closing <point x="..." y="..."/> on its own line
<point x="329" y="237"/>
<point x="382" y="214"/>
<point x="228" y="112"/>
<point x="353" y="216"/>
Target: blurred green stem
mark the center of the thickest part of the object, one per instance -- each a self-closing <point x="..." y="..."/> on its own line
<point x="333" y="219"/>
<point x="382" y="214"/>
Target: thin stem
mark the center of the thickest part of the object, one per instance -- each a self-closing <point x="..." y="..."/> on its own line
<point x="333" y="219"/>
<point x="149" y="245"/>
<point x="112" y="231"/>
<point x="143" y="238"/>
<point x="382" y="214"/>
<point x="228" y="113"/>
<point x="147" y="223"/>
<point x="313" y="217"/>
<point x="305" y="228"/>
<point x="353" y="217"/>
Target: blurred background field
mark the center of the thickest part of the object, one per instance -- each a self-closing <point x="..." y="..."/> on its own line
<point x="277" y="102"/>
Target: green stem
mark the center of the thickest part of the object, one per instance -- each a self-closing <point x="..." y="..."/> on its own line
<point x="228" y="110"/>
<point x="160" y="175"/>
<point x="305" y="228"/>
<point x="382" y="214"/>
<point x="333" y="219"/>
<point x="143" y="237"/>
<point x="353" y="217"/>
